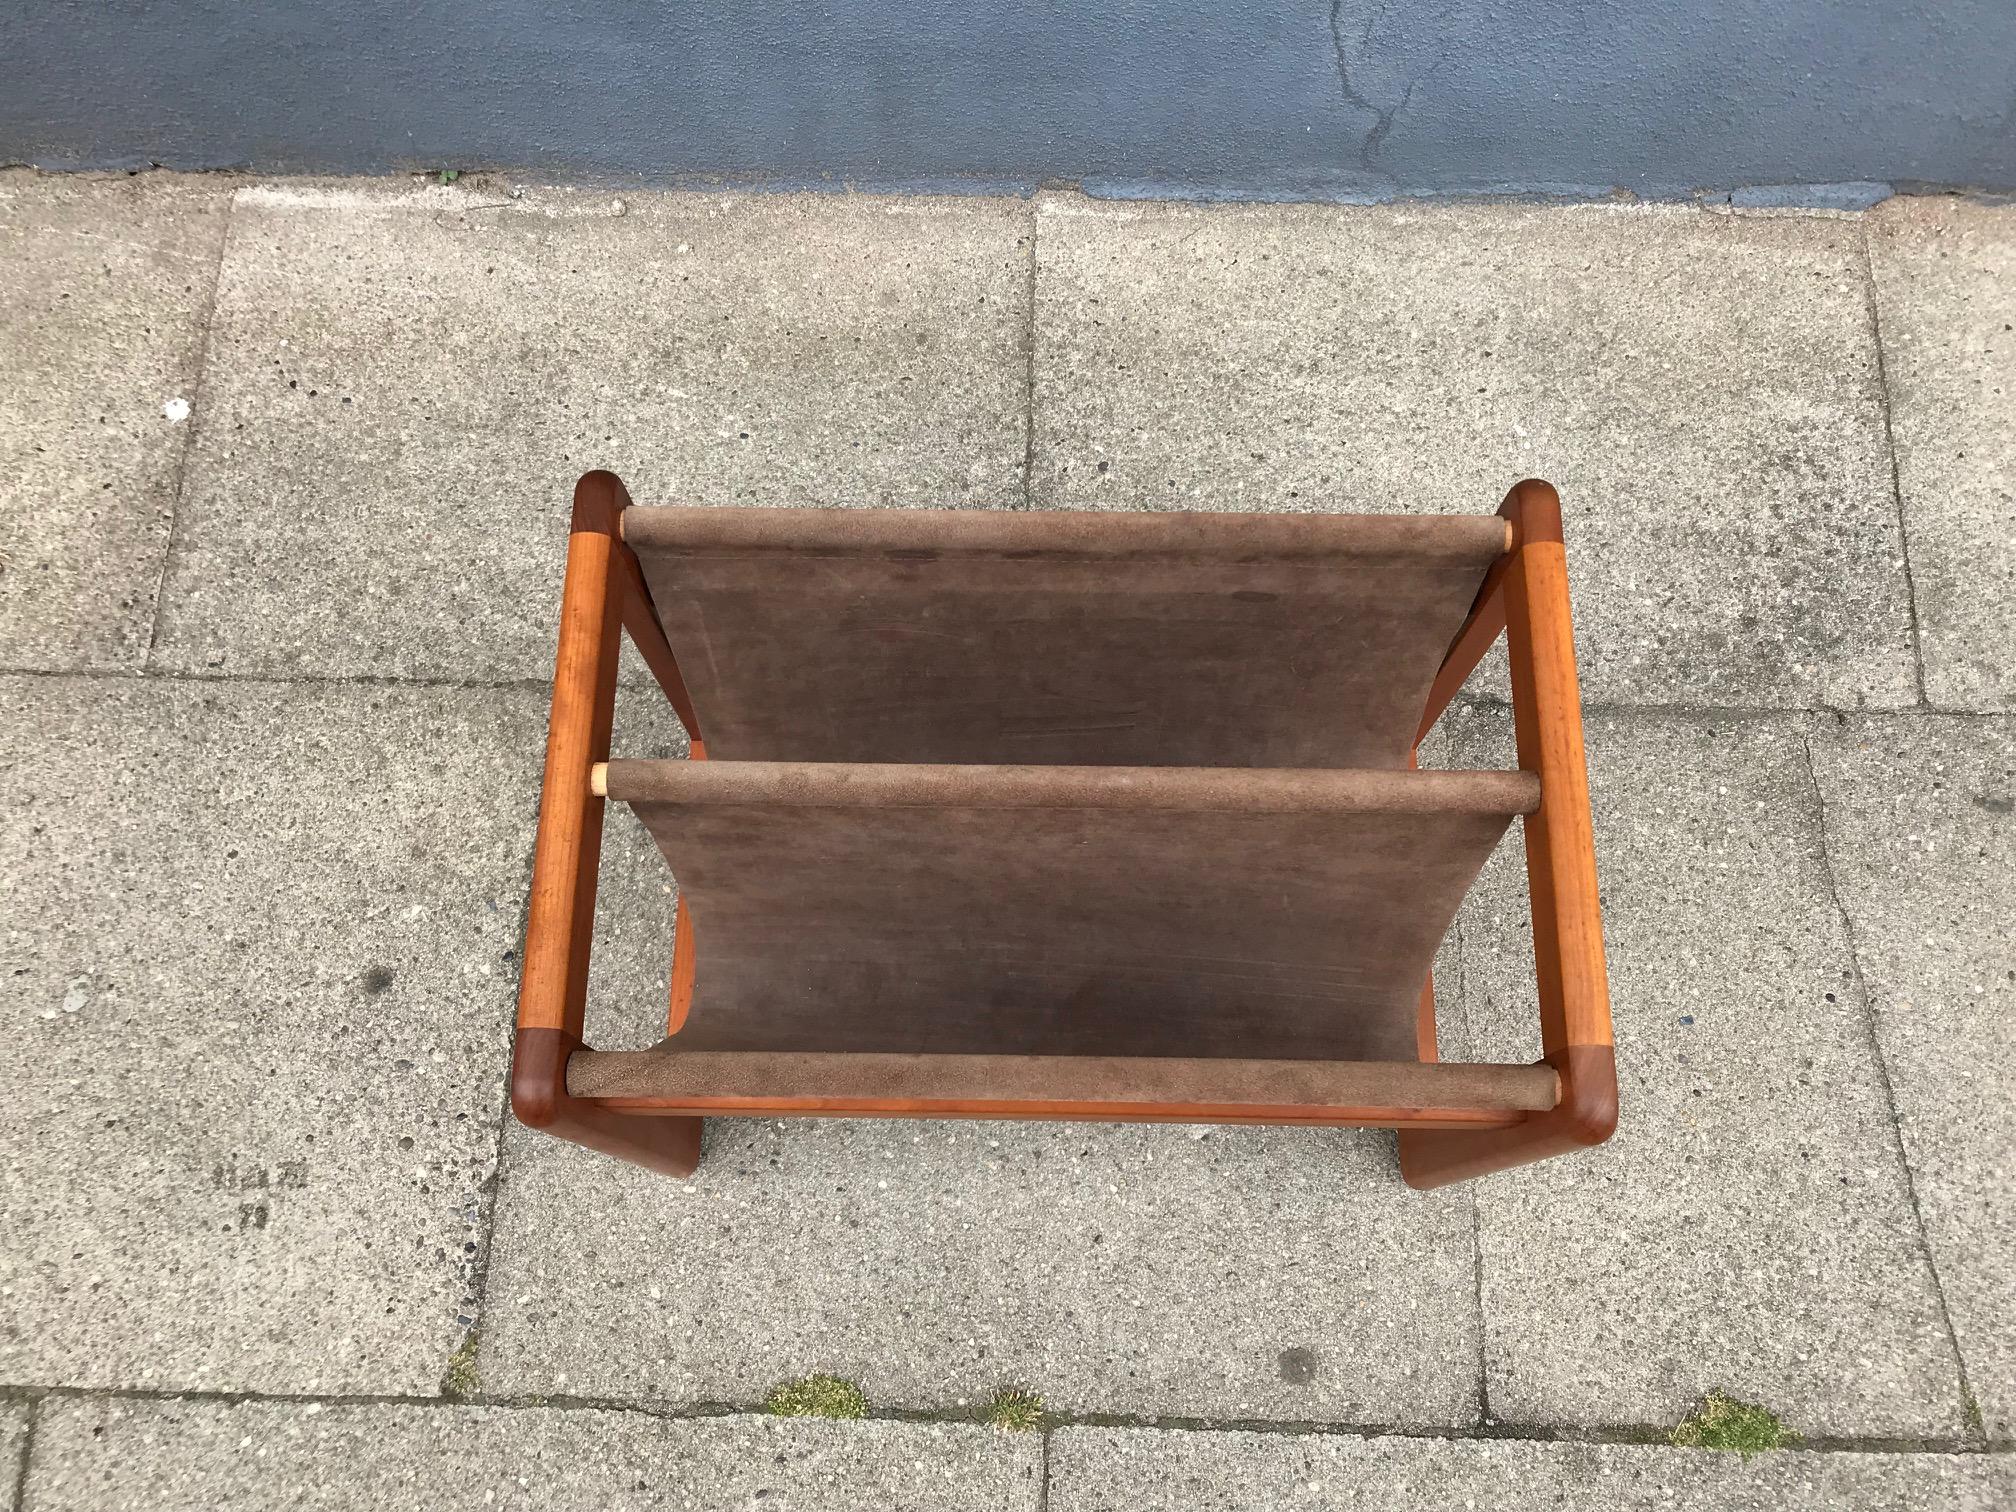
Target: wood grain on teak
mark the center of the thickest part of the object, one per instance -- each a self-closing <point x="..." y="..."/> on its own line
<point x="1568" y="961"/>
<point x="602" y="593"/>
<point x="552" y="992"/>
<point x="683" y="962"/>
<point x="1427" y="1045"/>
<point x="1525" y="595"/>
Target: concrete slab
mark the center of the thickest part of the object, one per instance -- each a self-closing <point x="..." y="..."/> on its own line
<point x="630" y="969"/>
<point x="1749" y="1228"/>
<point x="13" y="1446"/>
<point x="1153" y="1270"/>
<point x="1702" y="388"/>
<point x="404" y="387"/>
<point x="1923" y="846"/>
<point x="1946" y="294"/>
<point x="167" y="1456"/>
<point x="105" y="288"/>
<point x="1137" y="1470"/>
<point x="263" y="944"/>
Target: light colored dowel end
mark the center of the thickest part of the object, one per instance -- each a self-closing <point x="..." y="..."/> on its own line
<point x="1511" y="535"/>
<point x="598" y="779"/>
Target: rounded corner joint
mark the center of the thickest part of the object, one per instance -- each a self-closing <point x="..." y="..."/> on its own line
<point x="599" y="502"/>
<point x="539" y="1076"/>
<point x="1587" y="1111"/>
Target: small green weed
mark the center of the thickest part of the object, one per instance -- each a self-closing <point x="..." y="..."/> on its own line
<point x="817" y="1396"/>
<point x="449" y="175"/>
<point x="460" y="1378"/>
<point x="1722" y="1422"/>
<point x="1014" y="1410"/>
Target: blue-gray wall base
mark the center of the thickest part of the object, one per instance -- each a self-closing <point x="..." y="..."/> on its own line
<point x="1812" y="101"/>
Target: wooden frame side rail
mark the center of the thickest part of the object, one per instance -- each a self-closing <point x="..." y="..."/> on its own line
<point x="603" y="595"/>
<point x="1524" y="595"/>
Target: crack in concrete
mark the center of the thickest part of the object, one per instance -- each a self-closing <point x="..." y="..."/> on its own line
<point x="1483" y="702"/>
<point x="1383" y="121"/>
<point x="1896" y="472"/>
<point x="1376" y="137"/>
<point x="490" y="1195"/>
<point x="1538" y="1433"/>
<point x="156" y="677"/>
<point x="1354" y="91"/>
<point x="1883" y="1080"/>
<point x="21" y="1460"/>
<point x="199" y="410"/>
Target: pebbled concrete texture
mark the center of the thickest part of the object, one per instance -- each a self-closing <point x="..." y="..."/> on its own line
<point x="1702" y="388"/>
<point x="195" y="1456"/>
<point x="1945" y="276"/>
<point x="1140" y="1269"/>
<point x="1130" y="1470"/>
<point x="1749" y="1228"/>
<point x="404" y="385"/>
<point x="1923" y="845"/>
<point x="260" y="944"/>
<point x="204" y="1180"/>
<point x="105" y="289"/>
<point x="13" y="1452"/>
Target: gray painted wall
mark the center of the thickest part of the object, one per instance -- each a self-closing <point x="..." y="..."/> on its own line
<point x="1268" y="97"/>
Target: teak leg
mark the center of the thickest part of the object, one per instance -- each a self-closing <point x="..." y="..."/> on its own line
<point x="1529" y="597"/>
<point x="540" y="1099"/>
<point x="1586" y="1116"/>
<point x="604" y="592"/>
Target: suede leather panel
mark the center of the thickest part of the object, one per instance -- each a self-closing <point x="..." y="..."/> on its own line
<point x="1256" y="932"/>
<point x="671" y="1072"/>
<point x="1093" y="639"/>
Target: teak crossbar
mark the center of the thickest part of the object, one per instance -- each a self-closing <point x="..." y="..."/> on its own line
<point x="1454" y="1121"/>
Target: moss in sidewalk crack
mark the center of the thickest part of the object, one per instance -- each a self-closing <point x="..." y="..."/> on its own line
<point x="1722" y="1422"/>
<point x="460" y="1378"/>
<point x="1013" y="1410"/>
<point x="817" y="1396"/>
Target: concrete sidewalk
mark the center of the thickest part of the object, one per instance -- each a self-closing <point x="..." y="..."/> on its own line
<point x="284" y="470"/>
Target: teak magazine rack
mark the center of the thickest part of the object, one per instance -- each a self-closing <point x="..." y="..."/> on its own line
<point x="1065" y="816"/>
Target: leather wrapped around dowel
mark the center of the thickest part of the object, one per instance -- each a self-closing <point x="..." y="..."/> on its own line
<point x="1178" y="789"/>
<point x="670" y="1072"/>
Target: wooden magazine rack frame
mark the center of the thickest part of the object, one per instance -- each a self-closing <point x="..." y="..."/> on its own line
<point x="1524" y="596"/>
